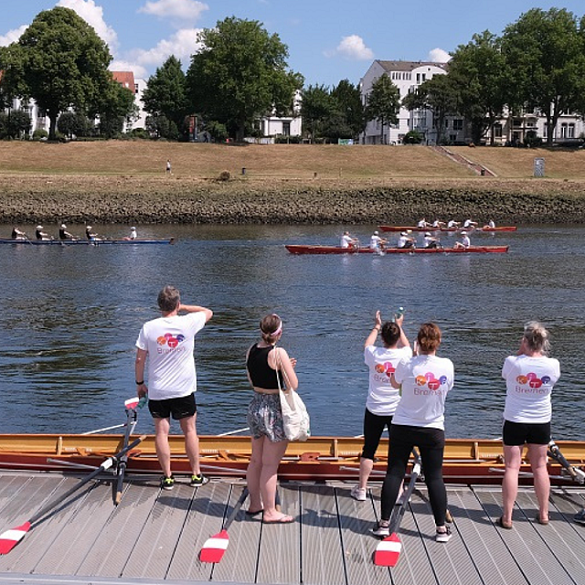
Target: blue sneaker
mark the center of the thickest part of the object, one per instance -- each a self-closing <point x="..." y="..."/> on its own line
<point x="579" y="517"/>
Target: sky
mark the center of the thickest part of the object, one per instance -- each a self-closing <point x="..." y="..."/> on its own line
<point x="327" y="40"/>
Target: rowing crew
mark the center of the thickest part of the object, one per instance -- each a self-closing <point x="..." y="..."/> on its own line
<point x="64" y="235"/>
<point x="468" y="224"/>
<point x="406" y="240"/>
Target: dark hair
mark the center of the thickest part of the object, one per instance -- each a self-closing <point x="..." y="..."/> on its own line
<point x="270" y="327"/>
<point x="168" y="299"/>
<point x="429" y="337"/>
<point x="536" y="337"/>
<point x="390" y="333"/>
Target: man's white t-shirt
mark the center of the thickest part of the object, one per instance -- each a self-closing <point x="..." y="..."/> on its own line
<point x="375" y="242"/>
<point x="346" y="241"/>
<point x="425" y="380"/>
<point x="170" y="342"/>
<point x="382" y="397"/>
<point x="529" y="383"/>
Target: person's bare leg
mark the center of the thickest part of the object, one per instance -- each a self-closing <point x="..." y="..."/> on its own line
<point x="189" y="429"/>
<point x="161" y="444"/>
<point x="366" y="466"/>
<point x="538" y="460"/>
<point x="253" y="474"/>
<point x="513" y="459"/>
<point x="271" y="456"/>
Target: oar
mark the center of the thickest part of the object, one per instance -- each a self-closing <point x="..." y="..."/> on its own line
<point x="215" y="546"/>
<point x="576" y="474"/>
<point x="10" y="538"/>
<point x="388" y="550"/>
<point x="131" y="420"/>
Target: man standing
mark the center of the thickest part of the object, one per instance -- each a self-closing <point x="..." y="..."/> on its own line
<point x="169" y="341"/>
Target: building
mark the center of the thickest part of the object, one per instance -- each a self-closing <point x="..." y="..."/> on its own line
<point x="137" y="86"/>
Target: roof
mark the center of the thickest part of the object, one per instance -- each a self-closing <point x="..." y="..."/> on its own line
<point x="409" y="65"/>
<point x="124" y="78"/>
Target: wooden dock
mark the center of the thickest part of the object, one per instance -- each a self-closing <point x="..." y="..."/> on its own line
<point x="154" y="537"/>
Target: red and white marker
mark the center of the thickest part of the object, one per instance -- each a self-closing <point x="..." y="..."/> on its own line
<point x="388" y="551"/>
<point x="214" y="547"/>
<point x="10" y="538"/>
<point x="132" y="403"/>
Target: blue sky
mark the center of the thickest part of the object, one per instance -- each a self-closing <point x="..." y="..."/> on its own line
<point x="328" y="40"/>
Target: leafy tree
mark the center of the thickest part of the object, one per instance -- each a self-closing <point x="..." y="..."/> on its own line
<point x="73" y="124"/>
<point x="240" y="74"/>
<point x="413" y="137"/>
<point x="316" y="107"/>
<point x="349" y="104"/>
<point x="166" y="93"/>
<point x="114" y="108"/>
<point x="14" y="124"/>
<point x="546" y="51"/>
<point x="479" y="73"/>
<point x="162" y="127"/>
<point x="60" y="62"/>
<point x="439" y="96"/>
<point x="383" y="102"/>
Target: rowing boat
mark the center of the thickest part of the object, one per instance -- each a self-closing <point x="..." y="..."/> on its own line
<point x="302" y="249"/>
<point x="320" y="458"/>
<point x="405" y="228"/>
<point x="96" y="242"/>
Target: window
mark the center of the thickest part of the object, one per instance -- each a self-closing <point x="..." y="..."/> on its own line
<point x="457" y="124"/>
<point x="497" y="130"/>
<point x="286" y="128"/>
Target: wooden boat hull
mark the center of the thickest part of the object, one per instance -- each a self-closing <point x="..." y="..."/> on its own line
<point x="83" y="242"/>
<point x="467" y="461"/>
<point x="413" y="228"/>
<point x="301" y="249"/>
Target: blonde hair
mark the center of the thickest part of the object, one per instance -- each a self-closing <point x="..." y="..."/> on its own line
<point x="536" y="337"/>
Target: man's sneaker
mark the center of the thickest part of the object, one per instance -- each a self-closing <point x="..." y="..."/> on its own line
<point x="167" y="483"/>
<point x="198" y="480"/>
<point x="359" y="494"/>
<point x="579" y="517"/>
<point x="443" y="535"/>
<point x="382" y="529"/>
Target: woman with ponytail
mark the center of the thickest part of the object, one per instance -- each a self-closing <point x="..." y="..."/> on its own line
<point x="264" y="362"/>
<point x="530" y="376"/>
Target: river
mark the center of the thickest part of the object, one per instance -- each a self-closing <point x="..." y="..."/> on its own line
<point x="70" y="316"/>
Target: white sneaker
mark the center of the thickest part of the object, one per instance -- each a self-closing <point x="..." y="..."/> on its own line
<point x="381" y="529"/>
<point x="443" y="535"/>
<point x="359" y="494"/>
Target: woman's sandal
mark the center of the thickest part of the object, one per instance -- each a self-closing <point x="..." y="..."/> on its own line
<point x="251" y="514"/>
<point x="541" y="521"/>
<point x="507" y="525"/>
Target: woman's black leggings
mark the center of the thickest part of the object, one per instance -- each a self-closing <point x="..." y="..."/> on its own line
<point x="431" y="443"/>
<point x="373" y="428"/>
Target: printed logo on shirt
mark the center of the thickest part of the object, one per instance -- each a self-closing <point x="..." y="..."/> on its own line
<point x="531" y="383"/>
<point x="429" y="381"/>
<point x="385" y="368"/>
<point x="169" y="340"/>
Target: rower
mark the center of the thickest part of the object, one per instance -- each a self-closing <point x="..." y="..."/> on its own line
<point x="376" y="242"/>
<point x="64" y="234"/>
<point x="405" y="241"/>
<point x="430" y="241"/>
<point x="40" y="234"/>
<point x="452" y="224"/>
<point x="18" y="234"/>
<point x="347" y="241"/>
<point x="468" y="224"/>
<point x="490" y="225"/>
<point x="464" y="242"/>
<point x="438" y="224"/>
<point x="89" y="234"/>
<point x="133" y="234"/>
<point x="423" y="224"/>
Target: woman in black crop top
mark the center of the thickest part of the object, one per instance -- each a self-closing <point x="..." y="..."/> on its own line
<point x="264" y="362"/>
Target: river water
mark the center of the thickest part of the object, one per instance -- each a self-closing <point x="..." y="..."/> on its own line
<point x="70" y="316"/>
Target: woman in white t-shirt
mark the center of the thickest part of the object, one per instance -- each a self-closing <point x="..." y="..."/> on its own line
<point x="382" y="396"/>
<point x="530" y="376"/>
<point x="424" y="380"/>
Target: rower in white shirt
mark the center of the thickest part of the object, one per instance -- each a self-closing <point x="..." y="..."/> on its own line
<point x="464" y="242"/>
<point x="452" y="224"/>
<point x="376" y="242"/>
<point x="347" y="241"/>
<point x="430" y="241"/>
<point x="405" y="241"/>
<point x="469" y="224"/>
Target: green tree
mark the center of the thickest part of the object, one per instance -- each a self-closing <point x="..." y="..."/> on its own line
<point x="316" y="108"/>
<point x="479" y="73"/>
<point x="60" y="62"/>
<point x="14" y="123"/>
<point x="73" y="124"/>
<point x="166" y="93"/>
<point x="436" y="95"/>
<point x="546" y="51"/>
<point x="115" y="107"/>
<point x="383" y="102"/>
<point x="240" y="75"/>
<point x="349" y="104"/>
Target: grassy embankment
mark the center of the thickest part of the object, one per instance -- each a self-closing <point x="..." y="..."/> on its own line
<point x="126" y="182"/>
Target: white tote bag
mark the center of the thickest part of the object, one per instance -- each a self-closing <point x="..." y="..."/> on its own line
<point x="295" y="418"/>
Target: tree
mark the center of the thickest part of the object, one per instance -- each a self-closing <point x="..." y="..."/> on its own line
<point x="383" y="102"/>
<point x="73" y="124"/>
<point x="546" y="51"/>
<point x="166" y="93"/>
<point x="114" y="108"/>
<point x="14" y="124"/>
<point x="479" y="73"/>
<point x="240" y="75"/>
<point x="349" y="104"/>
<point x="437" y="95"/>
<point x="60" y="62"/>
<point x="316" y="107"/>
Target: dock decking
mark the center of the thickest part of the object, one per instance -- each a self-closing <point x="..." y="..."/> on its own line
<point x="154" y="537"/>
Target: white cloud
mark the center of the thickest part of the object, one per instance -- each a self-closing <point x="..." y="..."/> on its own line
<point x="182" y="45"/>
<point x="94" y="16"/>
<point x="353" y="48"/>
<point x="12" y="35"/>
<point x="439" y="56"/>
<point x="139" y="71"/>
<point x="175" y="10"/>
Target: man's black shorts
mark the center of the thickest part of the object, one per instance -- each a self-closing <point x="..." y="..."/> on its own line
<point x="182" y="407"/>
<point x="516" y="434"/>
